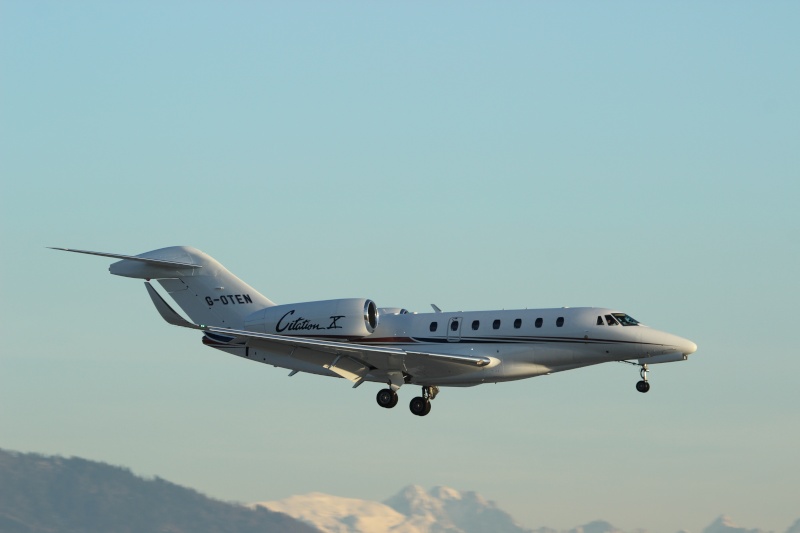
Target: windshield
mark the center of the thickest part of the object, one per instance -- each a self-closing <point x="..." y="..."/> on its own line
<point x="625" y="320"/>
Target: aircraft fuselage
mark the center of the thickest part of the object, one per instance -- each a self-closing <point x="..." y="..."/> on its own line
<point x="521" y="344"/>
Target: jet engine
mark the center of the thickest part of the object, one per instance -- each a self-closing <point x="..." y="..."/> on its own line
<point x="349" y="317"/>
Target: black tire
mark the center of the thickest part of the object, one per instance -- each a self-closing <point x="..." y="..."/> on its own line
<point x="386" y="398"/>
<point x="427" y="407"/>
<point x="643" y="386"/>
<point x="419" y="405"/>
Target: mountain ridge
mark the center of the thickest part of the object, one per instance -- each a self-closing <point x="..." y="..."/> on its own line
<point x="439" y="510"/>
<point x="41" y="493"/>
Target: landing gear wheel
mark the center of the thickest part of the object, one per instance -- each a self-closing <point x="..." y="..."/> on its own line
<point x="386" y="398"/>
<point x="420" y="406"/>
<point x="643" y="386"/>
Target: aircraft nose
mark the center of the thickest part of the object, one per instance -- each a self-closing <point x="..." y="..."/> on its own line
<point x="688" y="347"/>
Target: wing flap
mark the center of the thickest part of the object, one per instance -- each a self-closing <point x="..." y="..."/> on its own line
<point x="348" y="368"/>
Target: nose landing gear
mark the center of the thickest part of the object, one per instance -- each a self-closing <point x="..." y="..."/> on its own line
<point x="643" y="385"/>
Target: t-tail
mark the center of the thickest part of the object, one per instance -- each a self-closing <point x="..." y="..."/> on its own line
<point x="204" y="289"/>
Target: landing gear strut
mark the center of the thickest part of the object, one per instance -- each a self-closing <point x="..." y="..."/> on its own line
<point x="421" y="405"/>
<point x="643" y="386"/>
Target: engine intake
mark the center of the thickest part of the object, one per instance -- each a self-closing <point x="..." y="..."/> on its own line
<point x="349" y="317"/>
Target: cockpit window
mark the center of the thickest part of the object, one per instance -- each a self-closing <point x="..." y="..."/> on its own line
<point x="626" y="320"/>
<point x="611" y="321"/>
<point x="600" y="321"/>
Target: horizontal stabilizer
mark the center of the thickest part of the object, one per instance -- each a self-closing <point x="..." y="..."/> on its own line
<point x="167" y="312"/>
<point x="160" y="262"/>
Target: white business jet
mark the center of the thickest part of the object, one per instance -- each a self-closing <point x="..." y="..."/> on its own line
<point x="354" y="339"/>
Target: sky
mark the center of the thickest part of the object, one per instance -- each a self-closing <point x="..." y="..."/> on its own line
<point x="475" y="155"/>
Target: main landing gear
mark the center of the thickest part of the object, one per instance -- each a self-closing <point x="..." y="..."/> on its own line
<point x="420" y="406"/>
<point x="387" y="398"/>
<point x="643" y="386"/>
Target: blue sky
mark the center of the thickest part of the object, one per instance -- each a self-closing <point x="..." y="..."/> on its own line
<point x="637" y="156"/>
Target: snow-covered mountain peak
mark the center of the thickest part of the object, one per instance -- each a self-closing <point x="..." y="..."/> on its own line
<point x="439" y="510"/>
<point x="724" y="524"/>
<point x="412" y="510"/>
<point x="445" y="493"/>
<point x="335" y="514"/>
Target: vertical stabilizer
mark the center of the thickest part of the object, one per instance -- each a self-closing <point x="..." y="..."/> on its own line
<point x="204" y="289"/>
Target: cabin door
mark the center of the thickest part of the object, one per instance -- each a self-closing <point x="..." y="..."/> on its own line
<point x="454" y="329"/>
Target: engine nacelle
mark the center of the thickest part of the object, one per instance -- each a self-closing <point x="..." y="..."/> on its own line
<point x="348" y="317"/>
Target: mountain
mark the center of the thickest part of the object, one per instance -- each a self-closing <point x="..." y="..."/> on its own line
<point x="334" y="514"/>
<point x="597" y="526"/>
<point x="445" y="509"/>
<point x="724" y="524"/>
<point x="440" y="510"/>
<point x="412" y="510"/>
<point x="41" y="494"/>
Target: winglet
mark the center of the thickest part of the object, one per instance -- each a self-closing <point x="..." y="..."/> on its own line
<point x="167" y="312"/>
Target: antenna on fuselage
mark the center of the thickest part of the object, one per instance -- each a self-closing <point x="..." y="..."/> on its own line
<point x="436" y="308"/>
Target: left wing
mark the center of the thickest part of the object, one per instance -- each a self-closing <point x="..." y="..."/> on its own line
<point x="368" y="356"/>
<point x="365" y="352"/>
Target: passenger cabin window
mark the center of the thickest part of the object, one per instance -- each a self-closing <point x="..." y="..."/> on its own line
<point x="600" y="321"/>
<point x="611" y="321"/>
<point x="517" y="323"/>
<point x="434" y="325"/>
<point x="560" y="321"/>
<point x="626" y="320"/>
<point x="496" y="324"/>
<point x="454" y="325"/>
<point x="476" y="324"/>
<point x="539" y="322"/>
